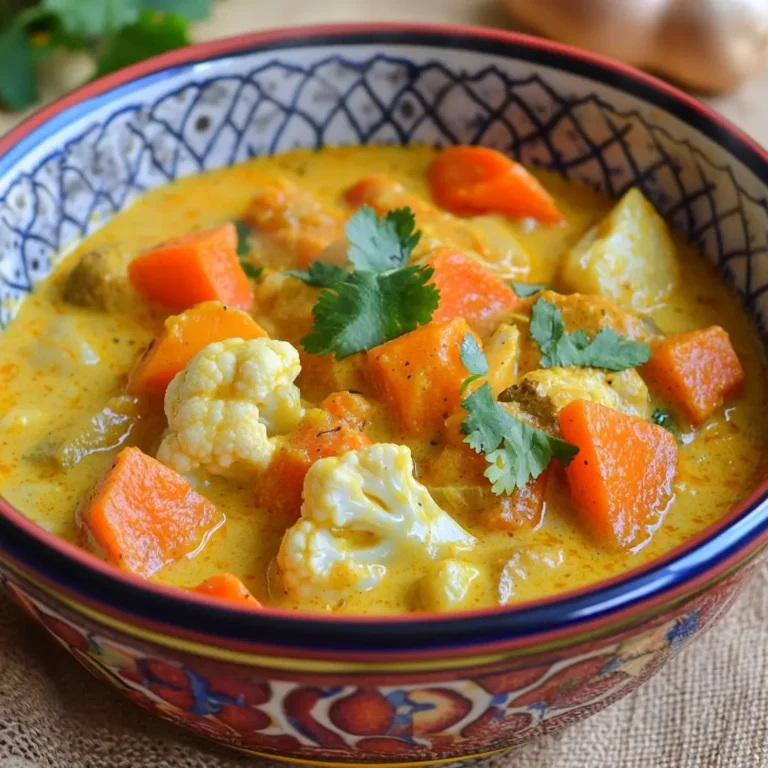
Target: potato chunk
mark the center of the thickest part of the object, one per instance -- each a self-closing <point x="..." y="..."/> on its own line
<point x="540" y="395"/>
<point x="99" y="280"/>
<point x="628" y="257"/>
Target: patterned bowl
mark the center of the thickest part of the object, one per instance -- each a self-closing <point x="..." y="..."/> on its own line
<point x="324" y="690"/>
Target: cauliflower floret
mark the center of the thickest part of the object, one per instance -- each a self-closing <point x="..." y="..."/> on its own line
<point x="541" y="394"/>
<point x="448" y="585"/>
<point x="362" y="511"/>
<point x="226" y="405"/>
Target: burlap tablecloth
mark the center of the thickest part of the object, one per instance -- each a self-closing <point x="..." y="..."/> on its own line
<point x="707" y="709"/>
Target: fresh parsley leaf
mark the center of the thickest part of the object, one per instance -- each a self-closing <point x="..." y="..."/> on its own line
<point x="380" y="244"/>
<point x="523" y="290"/>
<point x="368" y="309"/>
<point x="474" y="360"/>
<point x="152" y="34"/>
<point x="665" y="419"/>
<point x="608" y="350"/>
<point x="320" y="274"/>
<point x="515" y="451"/>
<point x="18" y="88"/>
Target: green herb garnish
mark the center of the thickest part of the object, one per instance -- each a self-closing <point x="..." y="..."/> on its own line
<point x="608" y="350"/>
<point x="515" y="451"/>
<point x="320" y="274"/>
<point x="378" y="301"/>
<point x="666" y="420"/>
<point x="523" y="290"/>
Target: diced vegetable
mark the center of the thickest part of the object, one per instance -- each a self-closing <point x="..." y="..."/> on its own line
<point x="322" y="375"/>
<point x="628" y="257"/>
<point x="123" y="419"/>
<point x="183" y="337"/>
<point x="142" y="515"/>
<point x="292" y="222"/>
<point x="225" y="586"/>
<point x="497" y="245"/>
<point x="474" y="180"/>
<point x="419" y="375"/>
<point x="524" y="507"/>
<point x="348" y="408"/>
<point x="621" y="479"/>
<point x="99" y="280"/>
<point x="502" y="351"/>
<point x="449" y="585"/>
<point x="182" y="272"/>
<point x="696" y="370"/>
<point x="469" y="290"/>
<point x="321" y="434"/>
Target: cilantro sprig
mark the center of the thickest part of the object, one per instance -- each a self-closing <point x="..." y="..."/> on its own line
<point x="115" y="33"/>
<point x="608" y="349"/>
<point x="244" y="251"/>
<point x="524" y="290"/>
<point x="381" y="298"/>
<point x="515" y="451"/>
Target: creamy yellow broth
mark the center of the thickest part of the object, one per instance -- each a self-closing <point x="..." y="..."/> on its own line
<point x="41" y="387"/>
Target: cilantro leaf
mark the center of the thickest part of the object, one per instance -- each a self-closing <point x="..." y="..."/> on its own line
<point x="320" y="274"/>
<point x="368" y="309"/>
<point x="608" y="350"/>
<point x="192" y="10"/>
<point x="515" y="451"/>
<point x="151" y="34"/>
<point x="92" y="18"/>
<point x="665" y="419"/>
<point x="523" y="290"/>
<point x="243" y="234"/>
<point x="18" y="88"/>
<point x="380" y="244"/>
<point x="474" y="360"/>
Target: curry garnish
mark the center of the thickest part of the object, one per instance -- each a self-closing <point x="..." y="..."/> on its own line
<point x="515" y="451"/>
<point x="608" y="349"/>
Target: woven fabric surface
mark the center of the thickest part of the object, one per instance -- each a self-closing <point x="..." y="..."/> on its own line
<point x="708" y="708"/>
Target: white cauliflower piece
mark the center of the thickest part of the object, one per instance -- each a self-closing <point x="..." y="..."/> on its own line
<point x="361" y="512"/>
<point x="226" y="406"/>
<point x="449" y="585"/>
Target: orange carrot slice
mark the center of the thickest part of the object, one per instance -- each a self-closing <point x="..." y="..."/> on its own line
<point x="229" y="588"/>
<point x="184" y="336"/>
<point x="475" y="180"/>
<point x="696" y="370"/>
<point x="622" y="475"/>
<point x="419" y="375"/>
<point x="470" y="290"/>
<point x="320" y="435"/>
<point x="199" y="267"/>
<point x="143" y="515"/>
<point x="348" y="408"/>
<point x="522" y="508"/>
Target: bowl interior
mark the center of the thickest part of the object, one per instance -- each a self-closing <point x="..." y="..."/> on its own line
<point x="220" y="104"/>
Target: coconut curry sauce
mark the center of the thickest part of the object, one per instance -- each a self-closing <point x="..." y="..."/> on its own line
<point x="612" y="385"/>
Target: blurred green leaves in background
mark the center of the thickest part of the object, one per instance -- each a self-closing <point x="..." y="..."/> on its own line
<point x="115" y="33"/>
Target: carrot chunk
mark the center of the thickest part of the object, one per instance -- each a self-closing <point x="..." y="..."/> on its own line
<point x="292" y="222"/>
<point x="696" y="370"/>
<point x="183" y="337"/>
<point x="475" y="180"/>
<point x="419" y="375"/>
<point x="470" y="290"/>
<point x="142" y="515"/>
<point x="321" y="434"/>
<point x="199" y="267"/>
<point x="522" y="508"/>
<point x="225" y="586"/>
<point x="622" y="475"/>
<point x="348" y="408"/>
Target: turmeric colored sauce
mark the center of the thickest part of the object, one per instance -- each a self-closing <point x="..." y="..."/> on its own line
<point x="59" y="361"/>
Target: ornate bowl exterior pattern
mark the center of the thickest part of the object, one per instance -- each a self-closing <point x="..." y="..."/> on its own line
<point x="589" y="121"/>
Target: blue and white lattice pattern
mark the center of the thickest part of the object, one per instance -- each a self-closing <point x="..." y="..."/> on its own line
<point x="204" y="116"/>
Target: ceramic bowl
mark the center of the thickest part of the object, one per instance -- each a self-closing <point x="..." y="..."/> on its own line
<point x="356" y="691"/>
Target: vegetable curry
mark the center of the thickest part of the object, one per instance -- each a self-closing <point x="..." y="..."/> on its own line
<point x="380" y="380"/>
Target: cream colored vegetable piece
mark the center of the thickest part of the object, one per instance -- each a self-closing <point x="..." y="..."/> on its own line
<point x="628" y="257"/>
<point x="709" y="45"/>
